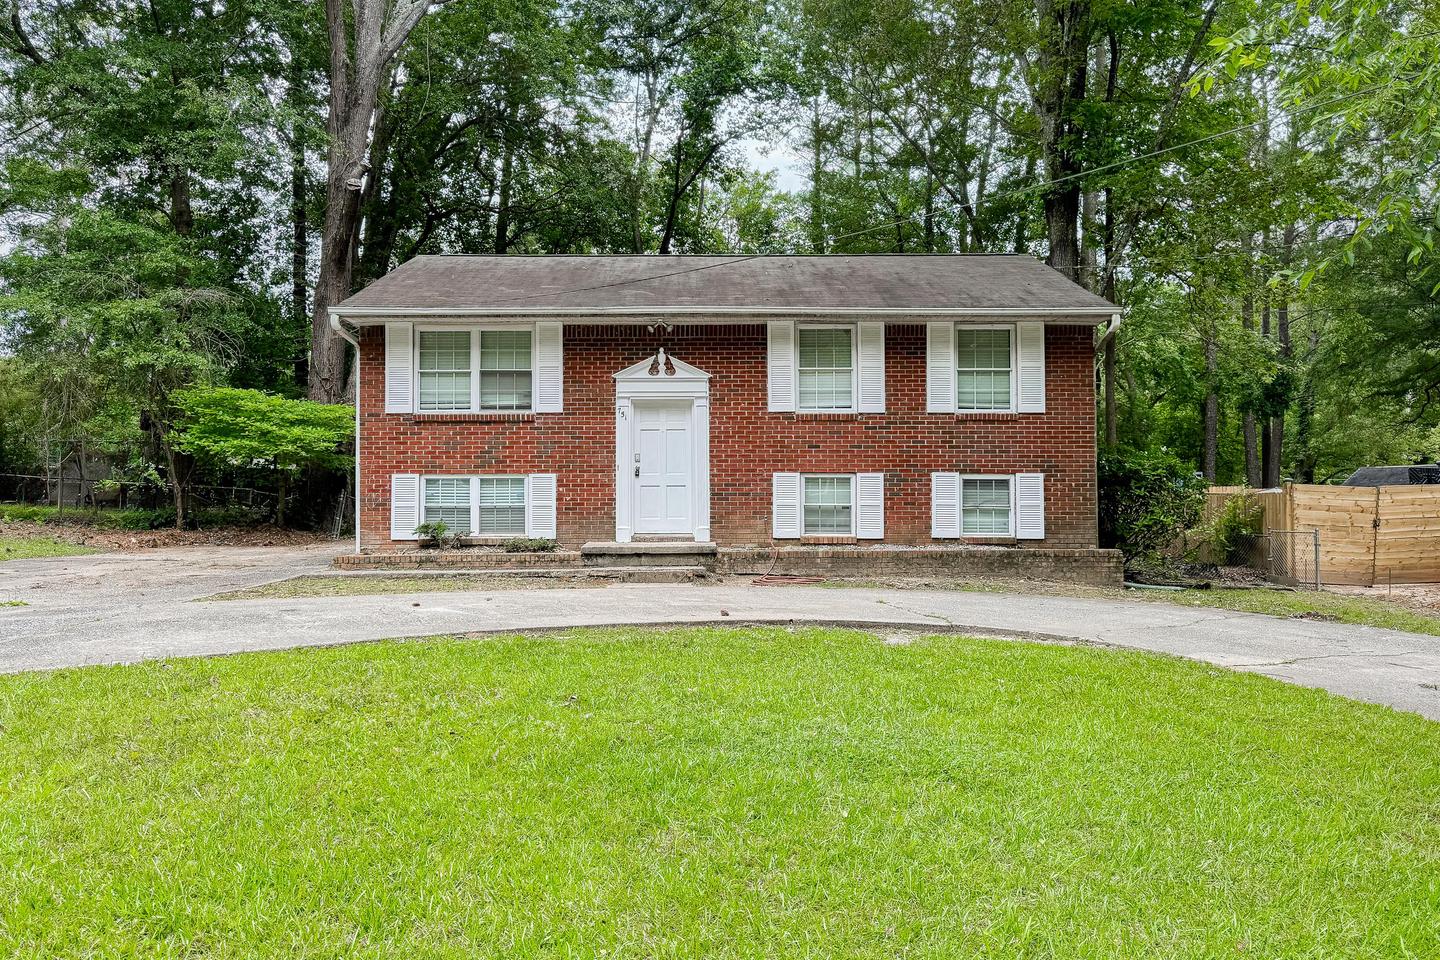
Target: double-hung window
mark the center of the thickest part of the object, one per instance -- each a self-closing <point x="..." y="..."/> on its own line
<point x="475" y="370"/>
<point x="827" y="368"/>
<point x="985" y="507"/>
<point x="476" y="506"/>
<point x="829" y="506"/>
<point x="500" y="506"/>
<point x="447" y="501"/>
<point x="506" y="379"/>
<point x="445" y="370"/>
<point x="985" y="369"/>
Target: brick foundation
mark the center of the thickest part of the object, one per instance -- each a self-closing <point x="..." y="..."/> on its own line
<point x="748" y="443"/>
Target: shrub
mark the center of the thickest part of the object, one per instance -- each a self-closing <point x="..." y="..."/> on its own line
<point x="1232" y="532"/>
<point x="530" y="545"/>
<point x="1147" y="500"/>
<point x="435" y="534"/>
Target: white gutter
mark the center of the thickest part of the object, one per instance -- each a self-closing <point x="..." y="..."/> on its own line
<point x="387" y="312"/>
<point x="340" y="331"/>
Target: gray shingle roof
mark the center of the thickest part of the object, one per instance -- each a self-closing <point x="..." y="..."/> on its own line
<point x="964" y="283"/>
<point x="1384" y="476"/>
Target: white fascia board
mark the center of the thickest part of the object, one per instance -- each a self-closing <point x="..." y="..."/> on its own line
<point x="373" y="315"/>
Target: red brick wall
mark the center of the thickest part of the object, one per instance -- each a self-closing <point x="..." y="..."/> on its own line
<point x="747" y="443"/>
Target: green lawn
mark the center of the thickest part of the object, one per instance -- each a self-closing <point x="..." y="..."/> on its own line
<point x="26" y="548"/>
<point x="710" y="793"/>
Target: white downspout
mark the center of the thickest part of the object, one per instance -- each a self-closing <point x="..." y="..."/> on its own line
<point x="339" y="327"/>
<point x="1104" y="337"/>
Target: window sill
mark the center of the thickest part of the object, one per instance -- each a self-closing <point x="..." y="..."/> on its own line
<point x="485" y="417"/>
<point x="828" y="415"/>
<point x="997" y="415"/>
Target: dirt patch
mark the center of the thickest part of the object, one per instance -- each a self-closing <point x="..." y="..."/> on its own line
<point x="1420" y="597"/>
<point x="134" y="540"/>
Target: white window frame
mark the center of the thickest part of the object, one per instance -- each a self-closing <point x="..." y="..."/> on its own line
<point x="1009" y="479"/>
<point x="425" y="479"/>
<point x="475" y="533"/>
<point x="474" y="330"/>
<point x="854" y="372"/>
<point x="1014" y="367"/>
<point x="854" y="507"/>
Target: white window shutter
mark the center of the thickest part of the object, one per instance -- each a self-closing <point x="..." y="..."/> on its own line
<point x="404" y="506"/>
<point x="1031" y="337"/>
<point x="781" y="361"/>
<point x="549" y="367"/>
<point x="786" y="505"/>
<point x="399" y="367"/>
<point x="871" y="364"/>
<point x="1029" y="506"/>
<point x="540" y="506"/>
<point x="870" y="506"/>
<point x="940" y="362"/>
<point x="945" y="506"/>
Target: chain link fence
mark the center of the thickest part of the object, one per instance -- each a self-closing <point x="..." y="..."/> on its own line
<point x="1290" y="557"/>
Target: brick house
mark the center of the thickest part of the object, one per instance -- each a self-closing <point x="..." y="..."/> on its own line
<point x="741" y="401"/>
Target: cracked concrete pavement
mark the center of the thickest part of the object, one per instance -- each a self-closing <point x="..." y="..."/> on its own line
<point x="120" y="608"/>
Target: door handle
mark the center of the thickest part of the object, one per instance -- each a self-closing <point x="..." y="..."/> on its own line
<point x="637" y="471"/>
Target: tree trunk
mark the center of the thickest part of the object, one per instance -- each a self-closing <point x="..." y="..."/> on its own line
<point x="1210" y="462"/>
<point x="1305" y="416"/>
<point x="502" y="207"/>
<point x="1253" y="475"/>
<point x="182" y="215"/>
<point x="1282" y="338"/>
<point x="1112" y="348"/>
<point x="817" y="167"/>
<point x="1022" y="220"/>
<point x="357" y="70"/>
<point x="1063" y="59"/>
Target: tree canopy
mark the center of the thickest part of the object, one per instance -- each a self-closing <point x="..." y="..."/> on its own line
<point x="186" y="186"/>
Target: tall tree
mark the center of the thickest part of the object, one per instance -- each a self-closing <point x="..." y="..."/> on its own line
<point x="365" y="36"/>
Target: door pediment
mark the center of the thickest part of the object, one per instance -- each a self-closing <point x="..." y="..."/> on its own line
<point x="662" y="373"/>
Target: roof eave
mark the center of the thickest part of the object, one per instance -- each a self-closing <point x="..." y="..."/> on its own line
<point x="371" y="315"/>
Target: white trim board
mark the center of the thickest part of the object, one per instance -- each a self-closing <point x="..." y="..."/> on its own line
<point x="687" y="383"/>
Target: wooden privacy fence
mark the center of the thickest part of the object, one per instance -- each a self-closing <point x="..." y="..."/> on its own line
<point x="1368" y="535"/>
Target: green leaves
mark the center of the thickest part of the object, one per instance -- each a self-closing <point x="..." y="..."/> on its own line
<point x="250" y="428"/>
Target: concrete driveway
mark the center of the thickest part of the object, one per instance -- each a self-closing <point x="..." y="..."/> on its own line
<point x="120" y="608"/>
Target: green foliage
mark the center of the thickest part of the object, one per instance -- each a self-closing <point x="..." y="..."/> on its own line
<point x="530" y="545"/>
<point x="435" y="534"/>
<point x="1147" y="500"/>
<point x="252" y="428"/>
<point x="1232" y="531"/>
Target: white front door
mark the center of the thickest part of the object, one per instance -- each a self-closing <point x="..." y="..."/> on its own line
<point x="663" y="471"/>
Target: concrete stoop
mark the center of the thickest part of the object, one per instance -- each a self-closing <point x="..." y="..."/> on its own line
<point x="648" y="553"/>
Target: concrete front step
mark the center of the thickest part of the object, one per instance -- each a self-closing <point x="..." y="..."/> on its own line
<point x="648" y="553"/>
<point x="675" y="573"/>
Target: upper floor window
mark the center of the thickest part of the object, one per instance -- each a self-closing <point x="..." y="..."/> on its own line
<point x="445" y="372"/>
<point x="505" y="369"/>
<point x="985" y="371"/>
<point x="450" y="379"/>
<point x="827" y="368"/>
